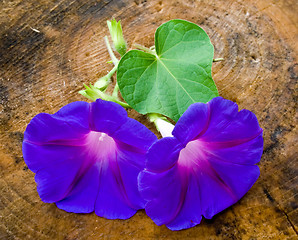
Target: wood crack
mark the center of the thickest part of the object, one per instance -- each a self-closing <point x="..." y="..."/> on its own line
<point x="289" y="220"/>
<point x="278" y="206"/>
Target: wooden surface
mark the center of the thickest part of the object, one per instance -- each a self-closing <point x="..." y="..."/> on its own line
<point x="40" y="71"/>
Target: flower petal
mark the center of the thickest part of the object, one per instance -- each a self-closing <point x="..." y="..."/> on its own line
<point x="118" y="185"/>
<point x="214" y="195"/>
<point x="238" y="178"/>
<point x="163" y="156"/>
<point x="69" y="123"/>
<point x="164" y="191"/>
<point x="106" y="116"/>
<point x="135" y="134"/>
<point x="38" y="157"/>
<point x="246" y="153"/>
<point x="54" y="181"/>
<point x="189" y="213"/>
<point x="228" y="181"/>
<point x="75" y="112"/>
<point x="228" y="125"/>
<point x="192" y="122"/>
<point x="82" y="197"/>
<point x="130" y="164"/>
<point x="112" y="201"/>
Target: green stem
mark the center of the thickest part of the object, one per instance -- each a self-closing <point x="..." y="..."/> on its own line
<point x="123" y="104"/>
<point x="94" y="92"/>
<point x="218" y="59"/>
<point x="104" y="81"/>
<point x="111" y="73"/>
<point x="115" y="91"/>
<point x="147" y="50"/>
<point x="154" y="116"/>
<point x="107" y="97"/>
<point x="162" y="124"/>
<point x="112" y="55"/>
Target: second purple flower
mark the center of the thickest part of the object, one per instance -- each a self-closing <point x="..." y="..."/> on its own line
<point x="206" y="166"/>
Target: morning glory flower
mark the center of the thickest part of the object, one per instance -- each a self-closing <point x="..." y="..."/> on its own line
<point x="87" y="157"/>
<point x="205" y="166"/>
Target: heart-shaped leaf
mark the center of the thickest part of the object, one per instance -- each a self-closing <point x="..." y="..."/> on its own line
<point x="174" y="77"/>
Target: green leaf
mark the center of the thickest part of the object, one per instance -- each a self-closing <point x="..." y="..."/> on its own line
<point x="172" y="78"/>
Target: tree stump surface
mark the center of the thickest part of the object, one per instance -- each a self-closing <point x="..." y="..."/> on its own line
<point x="48" y="49"/>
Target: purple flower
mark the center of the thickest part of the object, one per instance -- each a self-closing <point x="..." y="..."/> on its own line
<point x="87" y="158"/>
<point x="207" y="166"/>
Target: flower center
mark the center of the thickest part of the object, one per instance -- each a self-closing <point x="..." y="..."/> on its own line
<point x="101" y="146"/>
<point x="192" y="156"/>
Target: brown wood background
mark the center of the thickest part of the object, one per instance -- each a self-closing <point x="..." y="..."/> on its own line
<point x="42" y="71"/>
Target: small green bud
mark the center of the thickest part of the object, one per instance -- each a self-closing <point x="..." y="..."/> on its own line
<point x="84" y="93"/>
<point x="90" y="92"/>
<point x="102" y="83"/>
<point x="117" y="36"/>
<point x="94" y="93"/>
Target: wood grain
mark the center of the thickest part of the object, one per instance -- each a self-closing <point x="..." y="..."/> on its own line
<point x="41" y="71"/>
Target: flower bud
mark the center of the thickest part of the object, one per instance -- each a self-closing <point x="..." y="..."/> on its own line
<point x="117" y="36"/>
<point x="90" y="92"/>
<point x="102" y="83"/>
